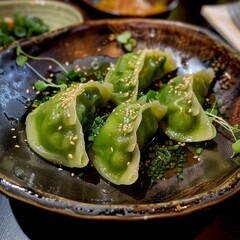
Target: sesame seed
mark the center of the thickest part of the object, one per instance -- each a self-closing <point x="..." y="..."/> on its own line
<point x="75" y="138"/>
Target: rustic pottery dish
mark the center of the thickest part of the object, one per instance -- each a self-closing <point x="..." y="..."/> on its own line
<point x="132" y="8"/>
<point x="29" y="178"/>
<point x="53" y="13"/>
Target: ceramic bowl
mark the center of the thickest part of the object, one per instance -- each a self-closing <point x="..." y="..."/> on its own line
<point x="55" y="14"/>
<point x="133" y="8"/>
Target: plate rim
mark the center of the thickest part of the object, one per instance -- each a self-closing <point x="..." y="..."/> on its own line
<point x="10" y="188"/>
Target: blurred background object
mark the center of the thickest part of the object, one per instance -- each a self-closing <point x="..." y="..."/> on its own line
<point x="220" y="18"/>
<point x="20" y="19"/>
<point x="131" y="8"/>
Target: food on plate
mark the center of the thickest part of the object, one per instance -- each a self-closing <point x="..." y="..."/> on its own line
<point x="55" y="128"/>
<point x="132" y="7"/>
<point x="116" y="149"/>
<point x="135" y="71"/>
<point x="89" y="119"/>
<point x="186" y="120"/>
<point x="17" y="27"/>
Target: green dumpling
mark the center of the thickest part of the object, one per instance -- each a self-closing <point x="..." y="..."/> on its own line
<point x="202" y="82"/>
<point x="54" y="129"/>
<point x="124" y="77"/>
<point x="157" y="64"/>
<point x="116" y="149"/>
<point x="135" y="71"/>
<point x="186" y="120"/>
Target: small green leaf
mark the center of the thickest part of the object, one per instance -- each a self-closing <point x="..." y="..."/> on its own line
<point x="21" y="60"/>
<point x="236" y="148"/>
<point x="40" y="85"/>
<point x="133" y="42"/>
<point x="130" y="44"/>
<point x="128" y="47"/>
<point x="123" y="38"/>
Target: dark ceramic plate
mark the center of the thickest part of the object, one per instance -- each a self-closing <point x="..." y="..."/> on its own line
<point x="149" y="8"/>
<point x="29" y="178"/>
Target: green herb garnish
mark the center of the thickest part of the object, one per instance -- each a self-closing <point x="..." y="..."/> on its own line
<point x="125" y="38"/>
<point x="162" y="158"/>
<point x="20" y="27"/>
<point x="212" y="113"/>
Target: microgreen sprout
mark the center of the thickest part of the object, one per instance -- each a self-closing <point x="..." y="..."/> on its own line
<point x="21" y="61"/>
<point x="212" y="113"/>
<point x="125" y="38"/>
<point x="42" y="84"/>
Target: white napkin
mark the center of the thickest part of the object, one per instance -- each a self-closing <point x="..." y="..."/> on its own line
<point x="219" y="18"/>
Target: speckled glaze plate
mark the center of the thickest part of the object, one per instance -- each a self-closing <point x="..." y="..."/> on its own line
<point x="29" y="178"/>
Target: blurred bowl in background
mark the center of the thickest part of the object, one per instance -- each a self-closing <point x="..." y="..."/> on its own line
<point x="55" y="14"/>
<point x="132" y="8"/>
